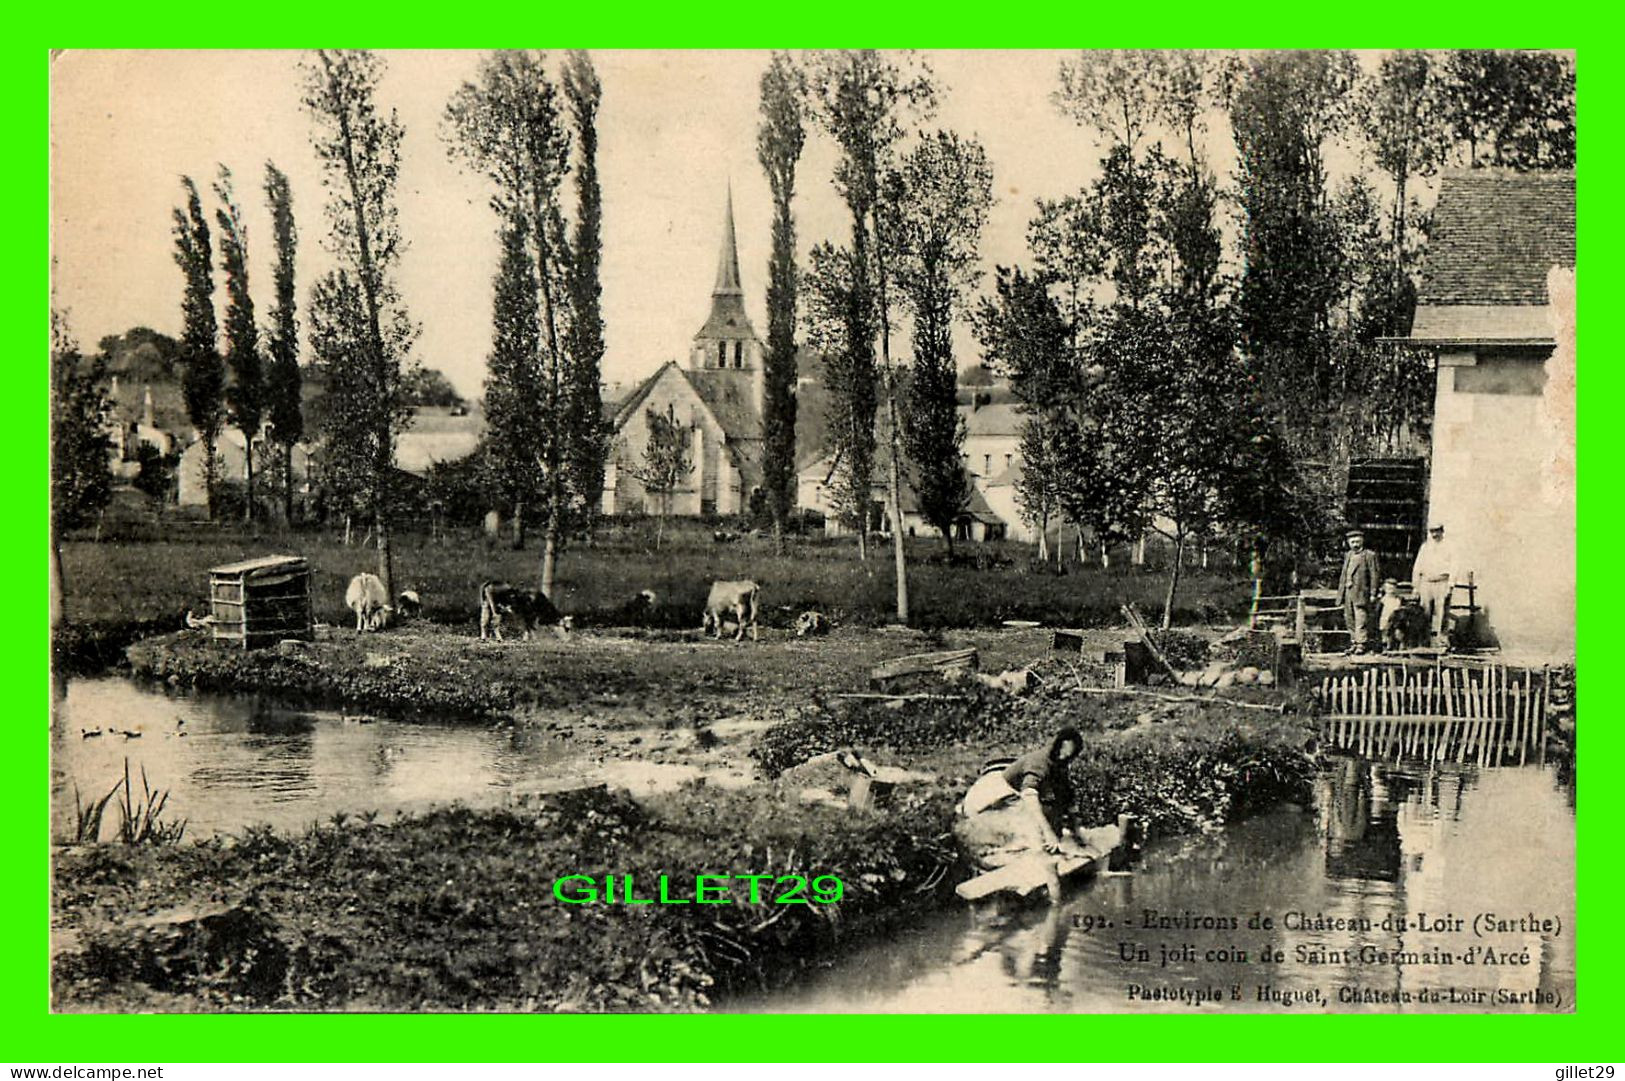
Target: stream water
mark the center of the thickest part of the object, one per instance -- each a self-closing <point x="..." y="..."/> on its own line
<point x="230" y="762"/>
<point x="1384" y="899"/>
<point x="1405" y="889"/>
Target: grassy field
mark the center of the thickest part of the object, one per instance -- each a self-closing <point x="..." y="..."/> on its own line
<point x="160" y="575"/>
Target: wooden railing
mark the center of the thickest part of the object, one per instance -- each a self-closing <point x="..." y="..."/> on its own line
<point x="1442" y="712"/>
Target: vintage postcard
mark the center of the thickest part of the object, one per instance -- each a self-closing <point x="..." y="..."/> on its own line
<point x="838" y="532"/>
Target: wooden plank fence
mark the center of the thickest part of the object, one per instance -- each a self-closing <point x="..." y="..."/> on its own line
<point x="1490" y="715"/>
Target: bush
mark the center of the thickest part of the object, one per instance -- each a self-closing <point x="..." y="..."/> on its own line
<point x="1204" y="764"/>
<point x="1182" y="648"/>
<point x="454" y="910"/>
<point x="984" y="717"/>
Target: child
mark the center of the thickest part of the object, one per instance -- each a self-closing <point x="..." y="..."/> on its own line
<point x="1389" y="627"/>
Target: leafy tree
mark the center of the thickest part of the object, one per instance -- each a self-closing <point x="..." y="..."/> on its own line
<point x="429" y="386"/>
<point x="143" y="354"/>
<point x="935" y="208"/>
<point x="1115" y="93"/>
<point x="779" y="140"/>
<point x="1402" y="114"/>
<point x="347" y="414"/>
<point x="860" y="98"/>
<point x="282" y="375"/>
<point x="508" y="126"/>
<point x="203" y="379"/>
<point x="359" y="147"/>
<point x="246" y="394"/>
<point x="1026" y="338"/>
<point x="155" y="475"/>
<point x="665" y="462"/>
<point x="81" y="476"/>
<point x="1064" y="238"/>
<point x="590" y="434"/>
<point x="1288" y="106"/>
<point x="1512" y="108"/>
<point x="840" y="323"/>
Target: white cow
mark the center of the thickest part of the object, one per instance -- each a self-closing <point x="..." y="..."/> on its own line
<point x="368" y="599"/>
<point x="738" y="598"/>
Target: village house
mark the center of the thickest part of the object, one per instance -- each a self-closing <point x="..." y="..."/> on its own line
<point x="993" y="422"/>
<point x="1497" y="307"/>
<point x="716" y="398"/>
<point x="815" y="490"/>
<point x="128" y="434"/>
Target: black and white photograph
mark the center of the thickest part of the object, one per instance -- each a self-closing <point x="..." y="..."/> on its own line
<point x="815" y="532"/>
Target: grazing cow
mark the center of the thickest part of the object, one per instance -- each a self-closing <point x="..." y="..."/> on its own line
<point x="529" y="608"/>
<point x="368" y="599"/>
<point x="809" y="624"/>
<point x="409" y="604"/>
<point x="738" y="598"/>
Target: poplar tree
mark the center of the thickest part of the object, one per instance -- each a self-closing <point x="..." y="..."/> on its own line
<point x="589" y="433"/>
<point x="512" y="382"/>
<point x="861" y="98"/>
<point x="359" y="147"/>
<point x="282" y="376"/>
<point x="779" y="141"/>
<point x="937" y="204"/>
<point x="202" y="375"/>
<point x="508" y="126"/>
<point x="246" y="395"/>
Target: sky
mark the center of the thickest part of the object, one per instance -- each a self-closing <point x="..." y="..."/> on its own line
<point x="676" y="129"/>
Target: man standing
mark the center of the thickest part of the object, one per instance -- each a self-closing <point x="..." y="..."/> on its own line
<point x="1430" y="577"/>
<point x="1357" y="590"/>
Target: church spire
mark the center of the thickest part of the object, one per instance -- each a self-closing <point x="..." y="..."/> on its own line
<point x="728" y="264"/>
<point x="721" y="341"/>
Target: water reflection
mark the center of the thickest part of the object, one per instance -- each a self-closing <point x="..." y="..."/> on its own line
<point x="230" y="762"/>
<point x="1368" y="903"/>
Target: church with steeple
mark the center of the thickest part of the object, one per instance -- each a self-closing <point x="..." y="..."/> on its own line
<point x="716" y="399"/>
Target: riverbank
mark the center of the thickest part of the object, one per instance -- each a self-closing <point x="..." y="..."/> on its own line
<point x="449" y="673"/>
<point x="453" y="909"/>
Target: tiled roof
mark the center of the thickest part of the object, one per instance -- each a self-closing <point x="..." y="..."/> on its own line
<point x="417" y="452"/>
<point x="631" y="402"/>
<point x="728" y="319"/>
<point x="1004" y="418"/>
<point x="731" y="397"/>
<point x="1495" y="235"/>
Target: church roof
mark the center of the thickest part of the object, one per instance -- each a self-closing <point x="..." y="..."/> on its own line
<point x="731" y="397"/>
<point x="728" y="262"/>
<point x="728" y="394"/>
<point x="634" y="401"/>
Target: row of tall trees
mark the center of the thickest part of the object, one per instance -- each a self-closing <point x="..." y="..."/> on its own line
<point x="917" y="203"/>
<point x="264" y="374"/>
<point x="1170" y="387"/>
<point x="522" y="126"/>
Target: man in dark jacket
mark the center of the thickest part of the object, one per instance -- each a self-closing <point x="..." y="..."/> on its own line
<point x="1357" y="590"/>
